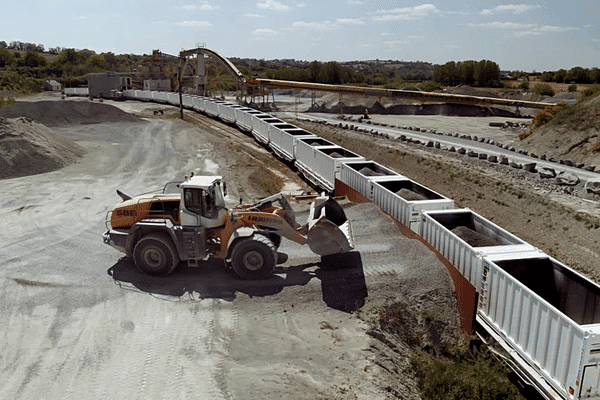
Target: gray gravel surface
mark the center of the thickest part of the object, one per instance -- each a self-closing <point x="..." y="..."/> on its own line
<point x="78" y="321"/>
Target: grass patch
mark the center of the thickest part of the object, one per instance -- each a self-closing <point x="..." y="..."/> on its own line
<point x="467" y="375"/>
<point x="5" y="102"/>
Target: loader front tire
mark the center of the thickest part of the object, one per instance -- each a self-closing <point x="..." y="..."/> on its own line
<point x="155" y="254"/>
<point x="254" y="258"/>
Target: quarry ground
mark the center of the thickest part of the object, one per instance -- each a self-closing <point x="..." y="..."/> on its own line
<point x="312" y="331"/>
<point x="77" y="321"/>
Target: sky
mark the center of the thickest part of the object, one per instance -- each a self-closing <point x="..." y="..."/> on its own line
<point x="529" y="36"/>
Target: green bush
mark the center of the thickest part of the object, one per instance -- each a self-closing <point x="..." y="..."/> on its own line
<point x="469" y="376"/>
<point x="5" y="102"/>
<point x="543" y="90"/>
<point x="591" y="91"/>
<point x="572" y="88"/>
<point x="429" y="86"/>
<point x="523" y="85"/>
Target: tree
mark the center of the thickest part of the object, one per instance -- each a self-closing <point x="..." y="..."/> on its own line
<point x="486" y="74"/>
<point x="33" y="60"/>
<point x="6" y="57"/>
<point x="111" y="60"/>
<point x="96" y="63"/>
<point x="578" y="75"/>
<point x="314" y="70"/>
<point x="547" y="76"/>
<point x="560" y="75"/>
<point x="331" y="73"/>
<point x="68" y="57"/>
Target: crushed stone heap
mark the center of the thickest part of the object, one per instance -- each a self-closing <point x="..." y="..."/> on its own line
<point x="28" y="147"/>
<point x="56" y="113"/>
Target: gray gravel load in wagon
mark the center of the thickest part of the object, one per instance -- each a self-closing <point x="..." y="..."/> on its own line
<point x="465" y="237"/>
<point x="547" y="317"/>
<point x="360" y="175"/>
<point x="405" y="199"/>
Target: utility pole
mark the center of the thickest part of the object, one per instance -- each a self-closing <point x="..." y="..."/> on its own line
<point x="180" y="94"/>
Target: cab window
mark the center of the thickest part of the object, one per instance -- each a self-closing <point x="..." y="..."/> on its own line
<point x="199" y="202"/>
<point x="193" y="200"/>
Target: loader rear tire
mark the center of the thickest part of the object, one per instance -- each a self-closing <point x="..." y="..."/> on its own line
<point x="155" y="254"/>
<point x="254" y="258"/>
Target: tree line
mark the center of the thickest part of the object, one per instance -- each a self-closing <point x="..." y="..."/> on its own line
<point x="482" y="73"/>
<point x="574" y="75"/>
<point x="24" y="69"/>
<point x="24" y="66"/>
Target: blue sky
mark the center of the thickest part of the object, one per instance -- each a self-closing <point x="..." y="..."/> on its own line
<point x="534" y="35"/>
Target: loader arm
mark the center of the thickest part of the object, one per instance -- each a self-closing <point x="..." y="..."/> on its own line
<point x="327" y="230"/>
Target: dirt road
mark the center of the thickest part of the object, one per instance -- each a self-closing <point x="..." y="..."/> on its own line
<point x="69" y="332"/>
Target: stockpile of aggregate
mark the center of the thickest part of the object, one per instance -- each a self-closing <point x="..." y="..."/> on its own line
<point x="57" y="113"/>
<point x="28" y="147"/>
<point x="27" y="144"/>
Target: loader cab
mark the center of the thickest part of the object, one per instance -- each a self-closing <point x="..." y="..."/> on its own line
<point x="203" y="202"/>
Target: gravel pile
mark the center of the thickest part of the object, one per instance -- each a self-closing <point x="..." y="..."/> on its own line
<point x="28" y="147"/>
<point x="57" y="113"/>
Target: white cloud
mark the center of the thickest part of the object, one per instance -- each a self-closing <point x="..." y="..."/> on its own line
<point x="406" y="13"/>
<point x="273" y="5"/>
<point x="524" y="29"/>
<point x="349" y="21"/>
<point x="205" y="6"/>
<point x="502" y="25"/>
<point x="395" y="42"/>
<point x="300" y="4"/>
<point x="415" y="37"/>
<point x="318" y="26"/>
<point x="253" y="16"/>
<point x="510" y="8"/>
<point x="356" y="2"/>
<point x="195" y="24"/>
<point x="264" y="32"/>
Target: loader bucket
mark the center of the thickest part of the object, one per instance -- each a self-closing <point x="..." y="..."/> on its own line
<point x="329" y="231"/>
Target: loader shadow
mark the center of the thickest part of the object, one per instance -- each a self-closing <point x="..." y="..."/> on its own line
<point x="342" y="279"/>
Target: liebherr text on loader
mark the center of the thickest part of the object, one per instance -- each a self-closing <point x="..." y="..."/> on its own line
<point x="159" y="230"/>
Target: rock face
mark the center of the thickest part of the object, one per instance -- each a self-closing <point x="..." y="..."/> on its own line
<point x="567" y="179"/>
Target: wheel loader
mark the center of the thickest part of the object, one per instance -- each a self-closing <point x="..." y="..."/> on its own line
<point x="189" y="222"/>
